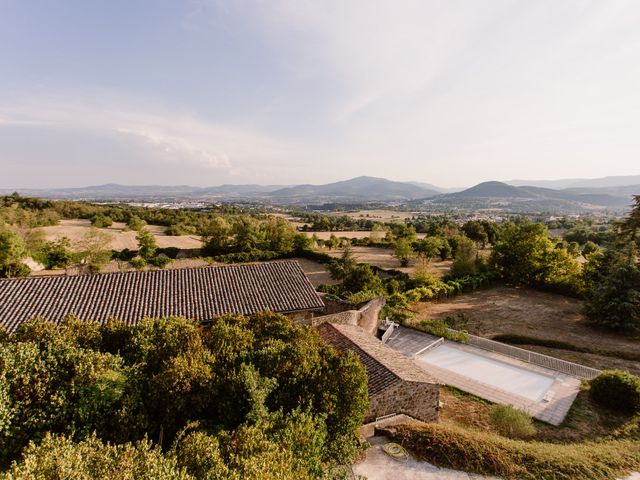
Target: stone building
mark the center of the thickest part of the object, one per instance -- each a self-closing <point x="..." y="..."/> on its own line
<point x="396" y="384"/>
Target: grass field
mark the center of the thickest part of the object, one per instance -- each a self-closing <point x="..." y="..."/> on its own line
<point x="74" y="230"/>
<point x="538" y="315"/>
<point x="383" y="258"/>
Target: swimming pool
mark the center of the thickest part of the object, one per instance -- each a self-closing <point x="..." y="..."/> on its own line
<point x="516" y="380"/>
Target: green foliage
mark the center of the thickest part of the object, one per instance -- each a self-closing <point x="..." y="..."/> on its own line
<point x="617" y="390"/>
<point x="631" y="225"/>
<point x="101" y="221"/>
<point x="430" y="247"/>
<point x="147" y="245"/>
<point x="442" y="329"/>
<point x="12" y="247"/>
<point x="271" y="395"/>
<point x="55" y="254"/>
<point x="135" y="223"/>
<point x="180" y="229"/>
<point x="589" y="249"/>
<point x="613" y="296"/>
<point x="511" y="422"/>
<point x="95" y="249"/>
<point x="58" y="457"/>
<point x="491" y="454"/>
<point x="403" y="251"/>
<point x="465" y="260"/>
<point x="525" y="254"/>
<point x="14" y="270"/>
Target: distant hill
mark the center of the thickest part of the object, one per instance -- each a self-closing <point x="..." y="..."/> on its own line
<point x="491" y="190"/>
<point x="603" y="182"/>
<point x="359" y="189"/>
<point x="429" y="186"/>
<point x="364" y="189"/>
<point x="354" y="190"/>
<point x="532" y="198"/>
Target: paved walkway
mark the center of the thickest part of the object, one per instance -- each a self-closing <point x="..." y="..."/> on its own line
<point x="553" y="410"/>
<point x="377" y="465"/>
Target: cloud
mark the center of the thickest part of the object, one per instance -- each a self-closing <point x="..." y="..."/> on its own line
<point x="174" y="137"/>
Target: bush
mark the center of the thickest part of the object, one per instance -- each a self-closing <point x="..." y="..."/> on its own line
<point x="160" y="261"/>
<point x="101" y="221"/>
<point x="617" y="390"/>
<point x="511" y="422"/>
<point x="14" y="270"/>
<point x="441" y="329"/>
<point x="487" y="453"/>
<point x="58" y="457"/>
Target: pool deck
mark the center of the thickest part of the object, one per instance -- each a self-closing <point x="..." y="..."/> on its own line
<point x="561" y="394"/>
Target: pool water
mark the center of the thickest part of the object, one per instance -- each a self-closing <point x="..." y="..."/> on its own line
<point x="516" y="380"/>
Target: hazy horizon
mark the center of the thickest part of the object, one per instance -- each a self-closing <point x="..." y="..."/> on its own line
<point x="206" y="92"/>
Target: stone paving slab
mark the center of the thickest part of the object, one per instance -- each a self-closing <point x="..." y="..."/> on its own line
<point x="377" y="465"/>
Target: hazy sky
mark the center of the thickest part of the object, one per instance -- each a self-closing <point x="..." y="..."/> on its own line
<point x="206" y="92"/>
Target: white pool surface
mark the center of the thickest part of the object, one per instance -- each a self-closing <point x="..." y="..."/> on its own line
<point x="511" y="378"/>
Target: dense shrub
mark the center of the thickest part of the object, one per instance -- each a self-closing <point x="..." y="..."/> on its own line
<point x="617" y="390"/>
<point x="511" y="422"/>
<point x="263" y="380"/>
<point x="488" y="453"/>
<point x="101" y="221"/>
<point x="58" y="457"/>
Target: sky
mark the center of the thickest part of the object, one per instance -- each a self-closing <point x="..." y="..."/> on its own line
<point x="207" y="92"/>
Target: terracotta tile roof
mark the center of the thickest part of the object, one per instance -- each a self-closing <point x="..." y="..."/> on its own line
<point x="198" y="293"/>
<point x="384" y="365"/>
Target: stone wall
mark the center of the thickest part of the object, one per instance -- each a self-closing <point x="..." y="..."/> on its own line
<point x="301" y="318"/>
<point x="332" y="305"/>
<point x="365" y="317"/>
<point x="416" y="399"/>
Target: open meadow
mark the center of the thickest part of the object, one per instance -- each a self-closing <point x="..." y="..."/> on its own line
<point x="121" y="238"/>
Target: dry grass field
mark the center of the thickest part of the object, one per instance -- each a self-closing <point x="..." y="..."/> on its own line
<point x="383" y="258"/>
<point x="74" y="230"/>
<point x="349" y="234"/>
<point x="316" y="272"/>
<point x="376" y="215"/>
<point x="540" y="315"/>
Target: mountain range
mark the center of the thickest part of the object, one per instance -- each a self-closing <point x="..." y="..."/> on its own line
<point x="609" y="193"/>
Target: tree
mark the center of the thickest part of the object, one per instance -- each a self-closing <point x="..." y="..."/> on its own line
<point x="101" y="221"/>
<point x="589" y="248"/>
<point x="135" y="223"/>
<point x="613" y="295"/>
<point x="428" y="248"/>
<point x="12" y="247"/>
<point x="12" y="251"/>
<point x="631" y="225"/>
<point x="465" y="260"/>
<point x="525" y="254"/>
<point x="332" y="242"/>
<point x="147" y="245"/>
<point x="363" y="278"/>
<point x="56" y="254"/>
<point x="94" y="248"/>
<point x="403" y="251"/>
<point x="215" y="235"/>
<point x="476" y="232"/>
<point x="340" y="268"/>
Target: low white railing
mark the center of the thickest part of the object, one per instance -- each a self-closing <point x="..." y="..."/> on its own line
<point x="438" y="342"/>
<point x="535" y="358"/>
<point x="388" y="333"/>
